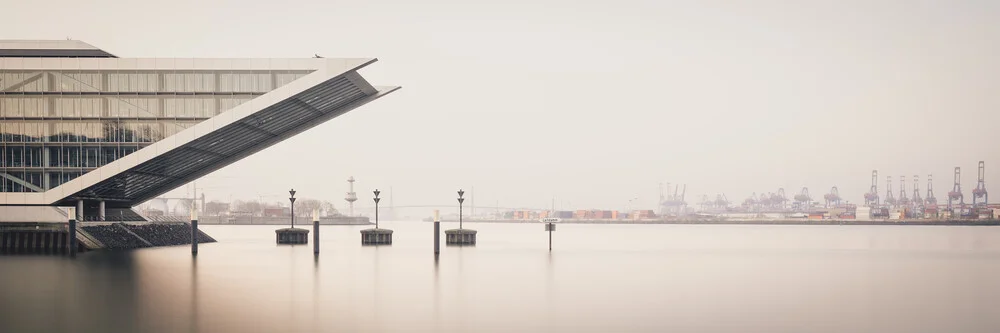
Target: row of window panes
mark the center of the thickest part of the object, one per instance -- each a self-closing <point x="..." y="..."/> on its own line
<point x="62" y="157"/>
<point x="146" y="81"/>
<point x="35" y="178"/>
<point x="58" y="178"/>
<point x="117" y="107"/>
<point x="7" y="185"/>
<point x="90" y="131"/>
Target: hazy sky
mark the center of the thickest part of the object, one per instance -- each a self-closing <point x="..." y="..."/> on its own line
<point x="595" y="103"/>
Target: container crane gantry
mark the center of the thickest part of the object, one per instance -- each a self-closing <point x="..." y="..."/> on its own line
<point x="833" y="197"/>
<point x="956" y="191"/>
<point x="980" y="191"/>
<point x="890" y="201"/>
<point x="871" y="198"/>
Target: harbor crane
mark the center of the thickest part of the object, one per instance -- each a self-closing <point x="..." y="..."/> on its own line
<point x="980" y="191"/>
<point x="890" y="201"/>
<point x="833" y="197"/>
<point x="871" y="198"/>
<point x="930" y="201"/>
<point x="904" y="200"/>
<point x="956" y="191"/>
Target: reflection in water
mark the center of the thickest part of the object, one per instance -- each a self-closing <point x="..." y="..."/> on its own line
<point x="193" y="321"/>
<point x="316" y="292"/>
<point x="549" y="279"/>
<point x="437" y="292"/>
<point x="608" y="278"/>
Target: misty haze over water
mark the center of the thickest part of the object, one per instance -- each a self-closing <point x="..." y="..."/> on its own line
<point x="599" y="278"/>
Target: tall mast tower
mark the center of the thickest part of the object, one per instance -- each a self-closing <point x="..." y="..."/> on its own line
<point x="351" y="196"/>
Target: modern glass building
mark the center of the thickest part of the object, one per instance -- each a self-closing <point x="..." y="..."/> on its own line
<point x="82" y="127"/>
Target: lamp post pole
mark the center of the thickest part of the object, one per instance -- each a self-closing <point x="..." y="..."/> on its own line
<point x="291" y="198"/>
<point x="460" y="201"/>
<point x="377" y="199"/>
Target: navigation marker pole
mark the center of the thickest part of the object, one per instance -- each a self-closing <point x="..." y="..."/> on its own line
<point x="316" y="231"/>
<point x="194" y="230"/>
<point x="72" y="232"/>
<point x="437" y="232"/>
<point x="550" y="226"/>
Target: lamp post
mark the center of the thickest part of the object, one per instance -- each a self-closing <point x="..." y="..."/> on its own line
<point x="460" y="236"/>
<point x="377" y="199"/>
<point x="460" y="201"/>
<point x="291" y="198"/>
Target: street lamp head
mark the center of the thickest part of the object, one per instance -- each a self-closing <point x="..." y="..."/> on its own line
<point x="292" y="193"/>
<point x="461" y="193"/>
<point x="376" y="191"/>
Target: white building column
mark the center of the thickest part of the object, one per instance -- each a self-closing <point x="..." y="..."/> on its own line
<point x="79" y="210"/>
<point x="100" y="212"/>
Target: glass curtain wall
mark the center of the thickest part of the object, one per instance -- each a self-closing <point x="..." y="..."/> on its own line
<point x="58" y="125"/>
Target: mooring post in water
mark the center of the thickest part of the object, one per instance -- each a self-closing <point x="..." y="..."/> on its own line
<point x="71" y="238"/>
<point x="437" y="232"/>
<point x="316" y="231"/>
<point x="194" y="230"/>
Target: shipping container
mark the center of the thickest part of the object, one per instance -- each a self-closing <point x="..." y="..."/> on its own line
<point x="863" y="213"/>
<point x="642" y="214"/>
<point x="601" y="214"/>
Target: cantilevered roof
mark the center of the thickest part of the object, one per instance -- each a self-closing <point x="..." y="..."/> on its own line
<point x="51" y="49"/>
<point x="333" y="88"/>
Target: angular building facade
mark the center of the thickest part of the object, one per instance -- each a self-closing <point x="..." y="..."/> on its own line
<point x="81" y="127"/>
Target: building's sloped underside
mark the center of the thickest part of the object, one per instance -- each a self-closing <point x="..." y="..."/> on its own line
<point x="228" y="144"/>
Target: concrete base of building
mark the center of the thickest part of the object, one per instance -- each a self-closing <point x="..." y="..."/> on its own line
<point x="53" y="238"/>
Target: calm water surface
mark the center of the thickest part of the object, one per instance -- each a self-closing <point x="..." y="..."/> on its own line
<point x="599" y="278"/>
